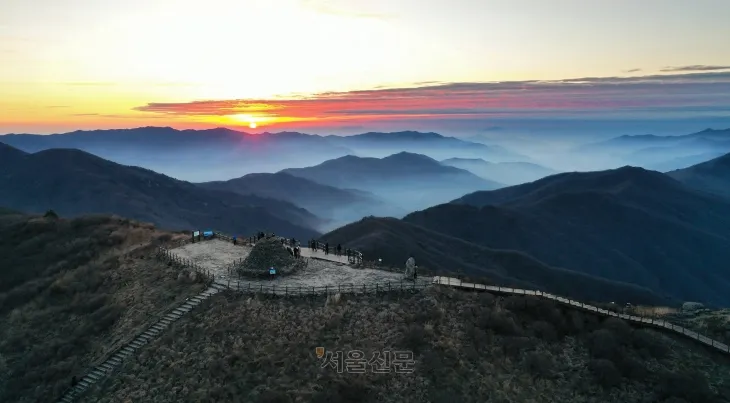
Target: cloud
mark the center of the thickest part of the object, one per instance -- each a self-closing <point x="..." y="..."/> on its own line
<point x="696" y="67"/>
<point x="84" y="114"/>
<point x="631" y="70"/>
<point x="626" y="97"/>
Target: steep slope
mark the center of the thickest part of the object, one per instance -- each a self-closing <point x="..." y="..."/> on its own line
<point x="339" y="206"/>
<point x="510" y="173"/>
<point x="73" y="182"/>
<point x="71" y="291"/>
<point x="408" y="180"/>
<point x="712" y="176"/>
<point x="434" y="145"/>
<point x="394" y="240"/>
<point x="627" y="224"/>
<point x="10" y="155"/>
<point x="466" y="347"/>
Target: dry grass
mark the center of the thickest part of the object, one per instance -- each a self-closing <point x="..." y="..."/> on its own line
<point x="73" y="290"/>
<point x="653" y="311"/>
<point x="469" y="347"/>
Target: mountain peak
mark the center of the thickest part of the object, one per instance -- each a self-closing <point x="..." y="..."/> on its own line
<point x="411" y="158"/>
<point x="458" y="159"/>
<point x="403" y="135"/>
<point x="6" y="149"/>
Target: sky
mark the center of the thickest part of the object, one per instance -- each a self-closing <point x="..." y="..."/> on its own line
<point x="341" y="66"/>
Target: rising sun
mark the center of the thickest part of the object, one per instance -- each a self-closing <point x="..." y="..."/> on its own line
<point x="246" y="118"/>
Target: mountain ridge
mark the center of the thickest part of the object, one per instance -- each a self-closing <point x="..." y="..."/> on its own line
<point x="81" y="183"/>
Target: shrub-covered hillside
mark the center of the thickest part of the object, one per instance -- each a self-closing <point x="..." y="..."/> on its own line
<point x="72" y="290"/>
<point x="469" y="347"/>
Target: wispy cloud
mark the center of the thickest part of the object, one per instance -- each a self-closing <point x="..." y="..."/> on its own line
<point x="84" y="114"/>
<point x="696" y="67"/>
<point x="479" y="104"/>
<point x="631" y="71"/>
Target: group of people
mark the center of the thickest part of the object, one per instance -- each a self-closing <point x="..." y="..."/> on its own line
<point x="295" y="251"/>
<point x="261" y="235"/>
<point x="315" y="245"/>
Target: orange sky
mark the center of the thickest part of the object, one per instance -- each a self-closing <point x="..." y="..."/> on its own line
<point x="84" y="64"/>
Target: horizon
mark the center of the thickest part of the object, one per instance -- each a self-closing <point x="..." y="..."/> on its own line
<point x="527" y="67"/>
<point x="249" y="132"/>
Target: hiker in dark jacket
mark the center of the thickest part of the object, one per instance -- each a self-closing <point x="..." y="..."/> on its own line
<point x="339" y="250"/>
<point x="327" y="248"/>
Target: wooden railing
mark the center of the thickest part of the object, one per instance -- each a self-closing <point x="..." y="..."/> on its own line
<point x="660" y="323"/>
<point x="167" y="256"/>
<point x="353" y="256"/>
<point x="300" y="290"/>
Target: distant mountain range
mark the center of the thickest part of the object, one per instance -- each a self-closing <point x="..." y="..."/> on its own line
<point x="73" y="182"/>
<point x="222" y="154"/>
<point x="627" y="225"/>
<point x="339" y="206"/>
<point x="663" y="153"/>
<point x="194" y="155"/>
<point x="509" y="173"/>
<point x="712" y="176"/>
<point x="409" y="181"/>
<point x="434" y="145"/>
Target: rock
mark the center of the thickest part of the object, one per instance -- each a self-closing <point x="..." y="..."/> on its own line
<point x="270" y="253"/>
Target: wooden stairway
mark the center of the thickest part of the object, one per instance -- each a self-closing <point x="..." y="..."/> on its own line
<point x="112" y="362"/>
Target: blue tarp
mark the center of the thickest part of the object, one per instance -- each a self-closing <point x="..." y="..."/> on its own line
<point x="207" y="233"/>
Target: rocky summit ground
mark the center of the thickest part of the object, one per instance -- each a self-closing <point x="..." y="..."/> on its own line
<point x="467" y="347"/>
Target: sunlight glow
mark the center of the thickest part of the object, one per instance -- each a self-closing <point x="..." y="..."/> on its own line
<point x="250" y="119"/>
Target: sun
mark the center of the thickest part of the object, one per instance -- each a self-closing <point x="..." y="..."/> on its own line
<point x="251" y="120"/>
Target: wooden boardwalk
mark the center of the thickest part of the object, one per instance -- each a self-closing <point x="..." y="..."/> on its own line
<point x="663" y="324"/>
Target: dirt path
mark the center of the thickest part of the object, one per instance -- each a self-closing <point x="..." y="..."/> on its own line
<point x="214" y="255"/>
<point x="319" y="273"/>
<point x="306" y="252"/>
